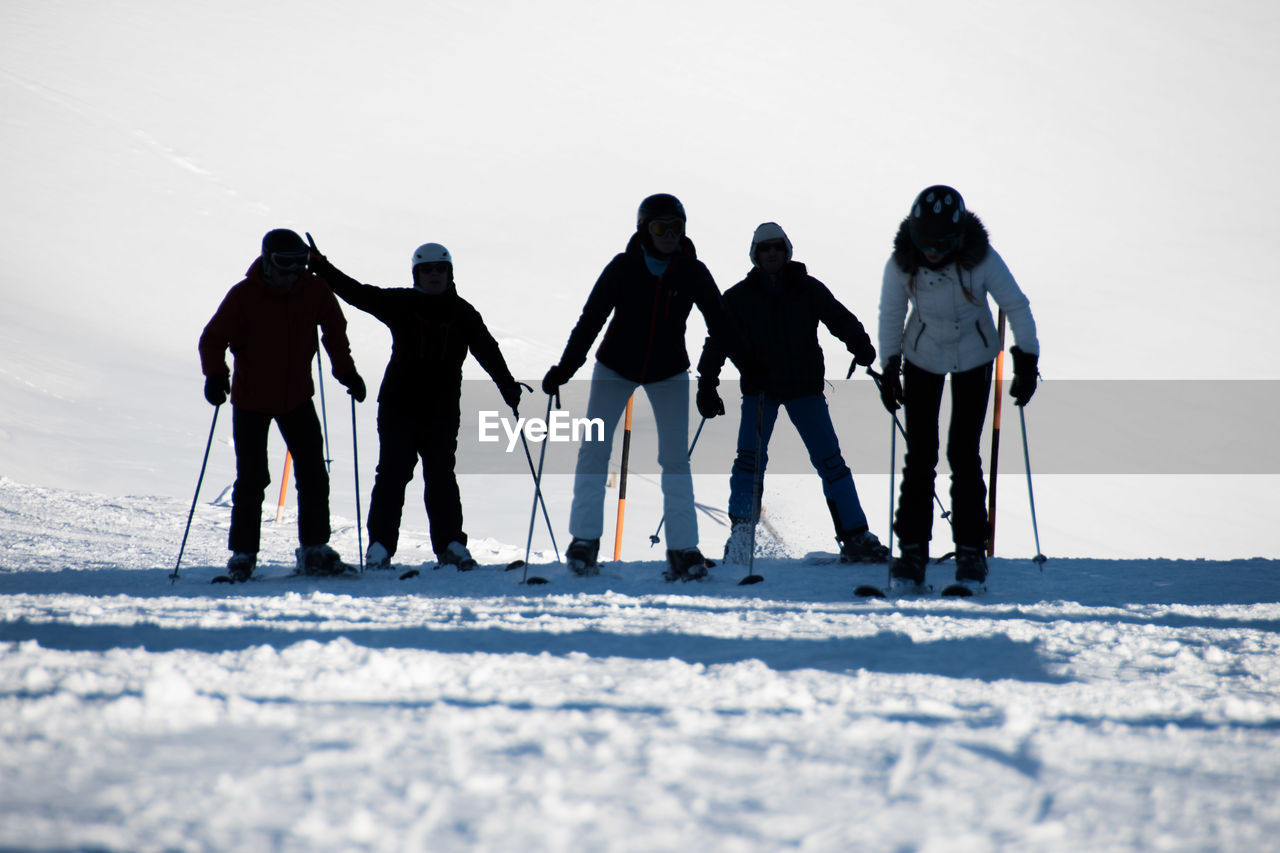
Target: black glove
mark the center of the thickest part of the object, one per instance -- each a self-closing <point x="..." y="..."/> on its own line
<point x="355" y="385"/>
<point x="555" y="377"/>
<point x="708" y="399"/>
<point x="1025" y="371"/>
<point x="511" y="396"/>
<point x="891" y="384"/>
<point x="216" y="389"/>
<point x="864" y="354"/>
<point x="316" y="257"/>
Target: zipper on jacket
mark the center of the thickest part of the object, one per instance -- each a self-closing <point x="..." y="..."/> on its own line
<point x="978" y="326"/>
<point x="653" y="322"/>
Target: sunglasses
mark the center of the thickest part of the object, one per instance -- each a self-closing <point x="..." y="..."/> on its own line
<point x="289" y="261"/>
<point x="434" y="266"/>
<point x="660" y="227"/>
<point x="771" y="246"/>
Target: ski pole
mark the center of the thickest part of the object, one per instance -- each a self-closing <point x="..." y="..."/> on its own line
<point x="869" y="590"/>
<point x="995" y="442"/>
<point x="324" y="411"/>
<point x="622" y="480"/>
<point x="207" y="445"/>
<point x="533" y="512"/>
<point x="1039" y="558"/>
<point x="653" y="540"/>
<point x="355" y="464"/>
<point x="757" y="485"/>
<point x="537" y="491"/>
<point x="946" y="513"/>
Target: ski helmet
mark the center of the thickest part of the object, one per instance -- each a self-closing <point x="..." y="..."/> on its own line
<point x="284" y="249"/>
<point x="429" y="253"/>
<point x="937" y="219"/>
<point x="766" y="232"/>
<point x="660" y="206"/>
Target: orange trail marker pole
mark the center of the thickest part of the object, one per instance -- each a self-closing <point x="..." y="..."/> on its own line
<point x="995" y="441"/>
<point x="622" y="481"/>
<point x="284" y="485"/>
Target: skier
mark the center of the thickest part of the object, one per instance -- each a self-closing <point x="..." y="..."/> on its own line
<point x="777" y="309"/>
<point x="419" y="403"/>
<point x="943" y="267"/>
<point x="269" y="322"/>
<point x="649" y="289"/>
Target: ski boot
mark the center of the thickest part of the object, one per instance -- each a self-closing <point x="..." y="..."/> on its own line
<point x="971" y="572"/>
<point x="240" y="566"/>
<point x="320" y="561"/>
<point x="906" y="576"/>
<point x="861" y="546"/>
<point x="377" y="557"/>
<point x="456" y="554"/>
<point x="685" y="565"/>
<point x="582" y="555"/>
<point x="741" y="541"/>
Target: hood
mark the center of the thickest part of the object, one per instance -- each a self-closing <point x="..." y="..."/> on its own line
<point x="969" y="255"/>
<point x="765" y="232"/>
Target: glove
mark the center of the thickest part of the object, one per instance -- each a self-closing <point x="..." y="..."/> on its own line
<point x="708" y="399"/>
<point x="511" y="396"/>
<point x="355" y="385"/>
<point x="891" y="384"/>
<point x="216" y="389"/>
<point x="864" y="354"/>
<point x="316" y="256"/>
<point x="555" y="377"/>
<point x="1025" y="371"/>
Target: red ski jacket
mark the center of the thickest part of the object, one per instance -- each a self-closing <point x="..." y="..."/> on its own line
<point x="271" y="333"/>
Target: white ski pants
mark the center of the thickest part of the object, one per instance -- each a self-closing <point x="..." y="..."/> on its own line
<point x="608" y="402"/>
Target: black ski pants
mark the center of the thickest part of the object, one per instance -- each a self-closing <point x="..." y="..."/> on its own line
<point x="922" y="395"/>
<point x="404" y="436"/>
<point x="301" y="431"/>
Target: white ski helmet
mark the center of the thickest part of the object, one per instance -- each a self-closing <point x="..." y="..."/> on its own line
<point x="429" y="253"/>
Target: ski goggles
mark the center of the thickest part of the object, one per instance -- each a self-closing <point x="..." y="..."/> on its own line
<point x="938" y="245"/>
<point x="289" y="261"/>
<point x="662" y="227"/>
<point x="434" y="266"/>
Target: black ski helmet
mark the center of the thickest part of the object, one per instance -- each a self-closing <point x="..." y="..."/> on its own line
<point x="282" y="240"/>
<point x="937" y="218"/>
<point x="660" y="206"/>
<point x="284" y="249"/>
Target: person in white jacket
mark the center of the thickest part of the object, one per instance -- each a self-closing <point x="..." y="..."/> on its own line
<point x="942" y="268"/>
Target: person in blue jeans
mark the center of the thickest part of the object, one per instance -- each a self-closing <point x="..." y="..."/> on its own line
<point x="777" y="309"/>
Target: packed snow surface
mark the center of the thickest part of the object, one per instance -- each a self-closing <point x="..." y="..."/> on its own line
<point x="1097" y="704"/>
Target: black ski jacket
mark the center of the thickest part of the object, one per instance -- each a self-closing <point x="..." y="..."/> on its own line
<point x="645" y="341"/>
<point x="430" y="338"/>
<point x="779" y="327"/>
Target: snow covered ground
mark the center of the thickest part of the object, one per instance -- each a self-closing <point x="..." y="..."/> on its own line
<point x="1099" y="705"/>
<point x="1125" y="698"/>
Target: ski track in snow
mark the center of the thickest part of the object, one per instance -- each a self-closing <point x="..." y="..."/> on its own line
<point x="1096" y="705"/>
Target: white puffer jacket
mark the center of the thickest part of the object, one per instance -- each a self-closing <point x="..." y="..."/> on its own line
<point x="950" y="328"/>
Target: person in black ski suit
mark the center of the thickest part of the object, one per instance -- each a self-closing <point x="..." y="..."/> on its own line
<point x="649" y="290"/>
<point x="269" y="323"/>
<point x="777" y="309"/>
<point x="419" y="414"/>
<point x="943" y="267"/>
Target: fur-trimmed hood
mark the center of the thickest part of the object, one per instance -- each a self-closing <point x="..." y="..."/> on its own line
<point x="969" y="255"/>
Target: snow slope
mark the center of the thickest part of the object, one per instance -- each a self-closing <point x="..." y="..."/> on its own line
<point x="1101" y="704"/>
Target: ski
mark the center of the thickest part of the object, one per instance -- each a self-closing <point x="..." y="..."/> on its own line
<point x="903" y="590"/>
<point x="964" y="589"/>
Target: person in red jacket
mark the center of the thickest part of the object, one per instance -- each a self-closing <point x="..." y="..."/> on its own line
<point x="269" y="321"/>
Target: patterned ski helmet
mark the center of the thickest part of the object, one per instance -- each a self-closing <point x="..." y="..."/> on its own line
<point x="937" y="217"/>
